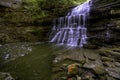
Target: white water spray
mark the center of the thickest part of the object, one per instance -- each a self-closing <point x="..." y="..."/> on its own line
<point x="71" y="29"/>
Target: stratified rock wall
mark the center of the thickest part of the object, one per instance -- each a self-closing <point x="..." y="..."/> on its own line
<point x="104" y="22"/>
<point x="16" y="22"/>
<point x="33" y="16"/>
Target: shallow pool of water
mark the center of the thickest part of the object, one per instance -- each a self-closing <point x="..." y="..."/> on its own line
<point x="36" y="63"/>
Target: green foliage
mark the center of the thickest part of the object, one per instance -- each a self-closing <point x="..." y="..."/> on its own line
<point x="40" y="11"/>
<point x="59" y="7"/>
<point x="44" y="9"/>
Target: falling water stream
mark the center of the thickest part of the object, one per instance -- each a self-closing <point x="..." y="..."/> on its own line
<point x="71" y="29"/>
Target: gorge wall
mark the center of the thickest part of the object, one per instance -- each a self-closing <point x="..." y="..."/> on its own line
<point x="30" y="20"/>
<point x="104" y="23"/>
<point x="17" y="22"/>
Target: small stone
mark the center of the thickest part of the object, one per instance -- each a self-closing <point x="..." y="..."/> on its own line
<point x="64" y="78"/>
<point x="78" y="77"/>
<point x="64" y="65"/>
<point x="7" y="56"/>
<point x="87" y="75"/>
<point x="55" y="61"/>
<point x="22" y="55"/>
<point x="117" y="64"/>
<point x="109" y="64"/>
<point x="0" y="45"/>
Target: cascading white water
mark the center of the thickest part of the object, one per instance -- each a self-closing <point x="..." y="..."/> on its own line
<point x="71" y="29"/>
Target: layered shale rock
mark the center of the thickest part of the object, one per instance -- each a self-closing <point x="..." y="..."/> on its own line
<point x="104" y="22"/>
<point x="100" y="66"/>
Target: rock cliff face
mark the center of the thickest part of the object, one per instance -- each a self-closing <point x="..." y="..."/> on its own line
<point x="30" y="20"/>
<point x="104" y="22"/>
<point x="17" y="11"/>
<point x="16" y="22"/>
<point x="11" y="3"/>
<point x="103" y="27"/>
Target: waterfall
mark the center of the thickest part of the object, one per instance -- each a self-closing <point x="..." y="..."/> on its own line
<point x="71" y="30"/>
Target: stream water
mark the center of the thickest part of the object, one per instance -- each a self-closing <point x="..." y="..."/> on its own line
<point x="32" y="61"/>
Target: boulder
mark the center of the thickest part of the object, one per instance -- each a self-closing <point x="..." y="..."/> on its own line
<point x="78" y="57"/>
<point x="117" y="64"/>
<point x="109" y="64"/>
<point x="92" y="56"/>
<point x="96" y="66"/>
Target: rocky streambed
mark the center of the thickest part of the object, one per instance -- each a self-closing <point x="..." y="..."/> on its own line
<point x="40" y="61"/>
<point x="81" y="64"/>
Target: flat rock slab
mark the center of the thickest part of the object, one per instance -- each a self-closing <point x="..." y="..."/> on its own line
<point x="111" y="53"/>
<point x="75" y="57"/>
<point x="92" y="56"/>
<point x="114" y="72"/>
<point x="96" y="66"/>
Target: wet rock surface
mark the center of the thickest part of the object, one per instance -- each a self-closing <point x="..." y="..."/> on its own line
<point x="11" y="51"/>
<point x="114" y="72"/>
<point x="101" y="65"/>
<point x="5" y="76"/>
<point x="104" y="25"/>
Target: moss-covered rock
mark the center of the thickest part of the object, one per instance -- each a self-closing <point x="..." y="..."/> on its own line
<point x="111" y="52"/>
<point x="35" y="13"/>
<point x="23" y="34"/>
<point x="106" y="59"/>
